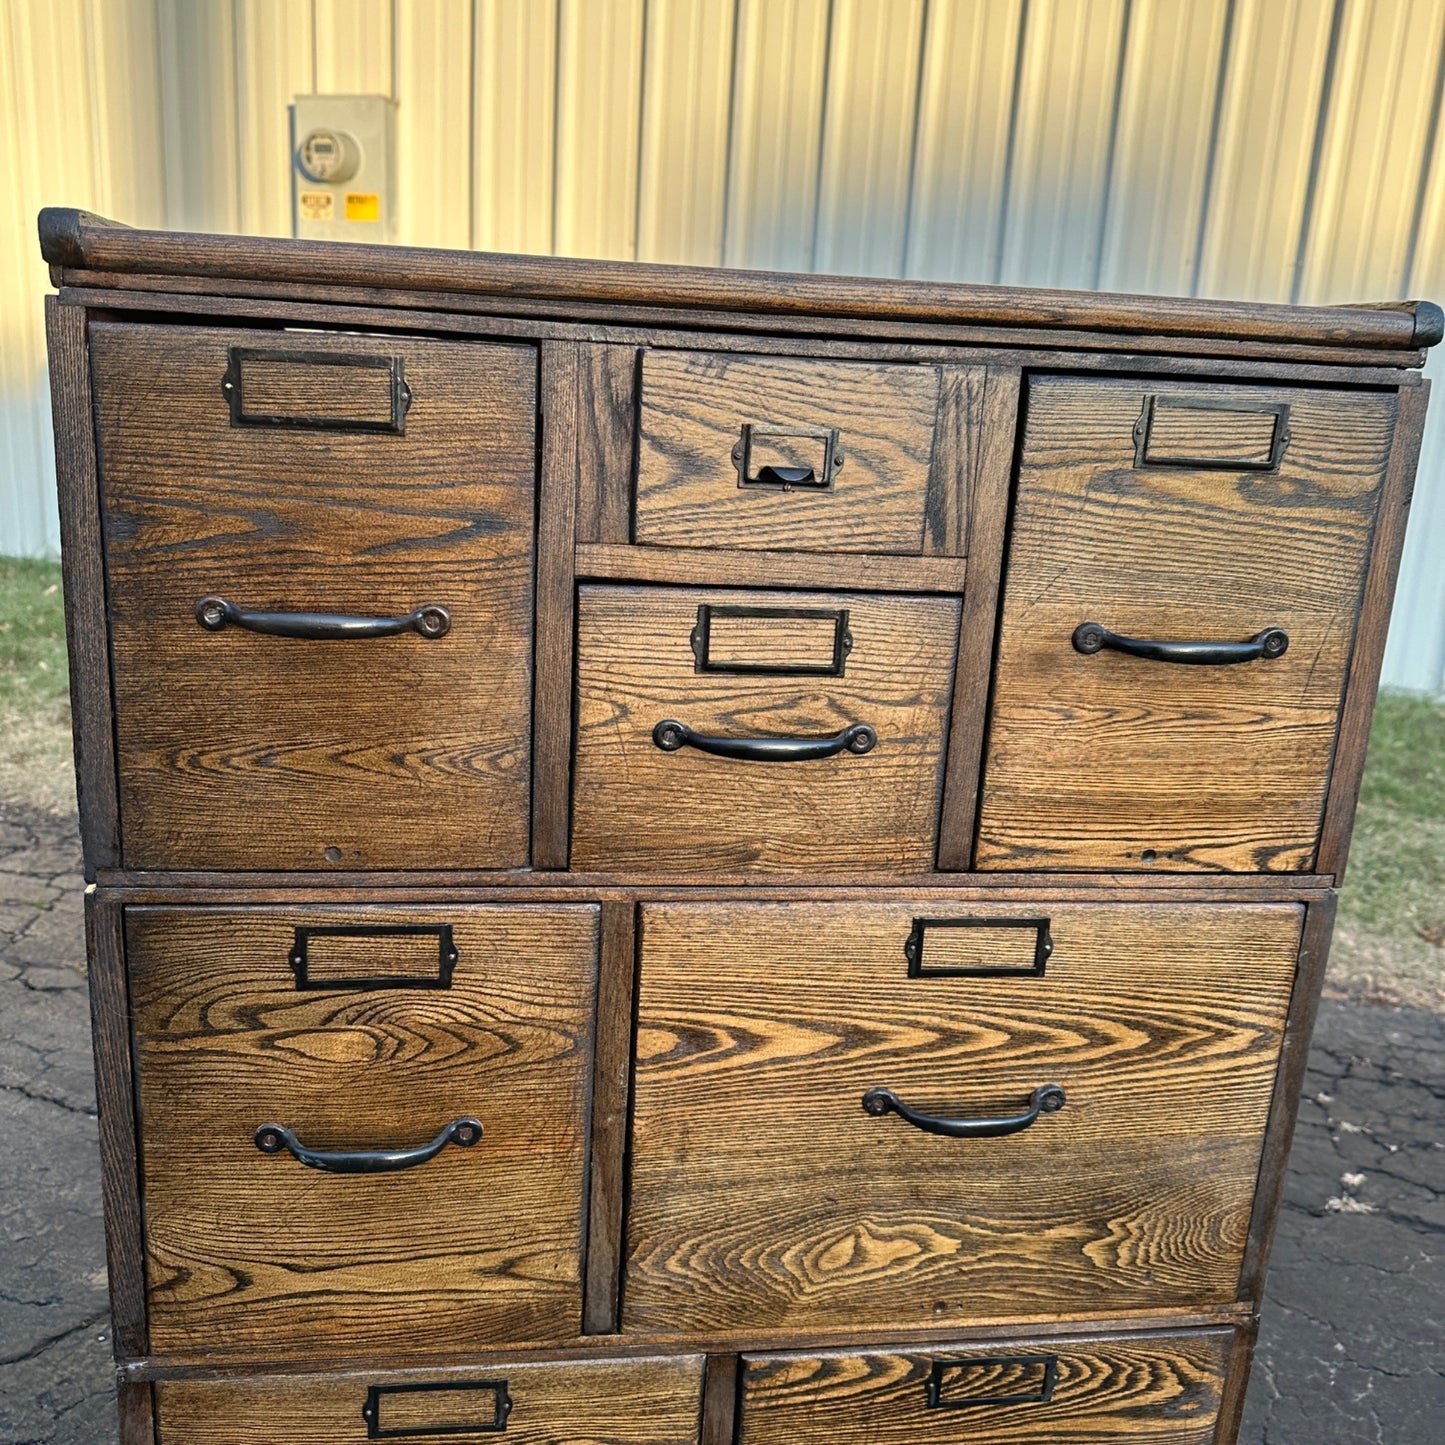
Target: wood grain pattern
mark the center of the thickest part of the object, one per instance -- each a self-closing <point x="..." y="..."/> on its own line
<point x="693" y="407"/>
<point x="245" y="751"/>
<point x="259" y="1257"/>
<point x="82" y="243"/>
<point x="135" y="1404"/>
<point x="606" y="418"/>
<point x="110" y="1031"/>
<point x="956" y="444"/>
<point x="611" y="1078"/>
<point x="556" y="541"/>
<point x="1108" y="761"/>
<point x="1162" y="1389"/>
<point x="716" y="566"/>
<point x="720" y="1400"/>
<point x="83" y="569"/>
<point x="601" y="1402"/>
<point x="764" y="1196"/>
<point x="1369" y="652"/>
<point x="639" y="809"/>
<point x="990" y="486"/>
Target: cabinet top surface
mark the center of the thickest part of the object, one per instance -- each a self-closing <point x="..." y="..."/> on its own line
<point x="87" y="249"/>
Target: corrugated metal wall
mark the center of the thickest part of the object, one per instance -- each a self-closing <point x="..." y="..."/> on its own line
<point x="1269" y="149"/>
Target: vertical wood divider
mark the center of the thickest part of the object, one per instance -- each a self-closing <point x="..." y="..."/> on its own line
<point x="991" y="454"/>
<point x="611" y="1072"/>
<point x="608" y="404"/>
<point x="552" y="684"/>
<point x="83" y="570"/>
<point x="720" y="1399"/>
<point x="1362" y="681"/>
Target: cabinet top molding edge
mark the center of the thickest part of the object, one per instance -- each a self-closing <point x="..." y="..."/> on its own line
<point x="77" y="241"/>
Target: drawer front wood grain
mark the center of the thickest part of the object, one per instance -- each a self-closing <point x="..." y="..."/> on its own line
<point x="1153" y="1390"/>
<point x="451" y="1012"/>
<point x="1155" y="512"/>
<point x="700" y="412"/>
<point x="849" y="662"/>
<point x="245" y="750"/>
<point x="591" y="1402"/>
<point x="765" y="1196"/>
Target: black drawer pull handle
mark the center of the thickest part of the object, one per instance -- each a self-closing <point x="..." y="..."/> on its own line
<point x="670" y="735"/>
<point x="1046" y="1099"/>
<point x="214" y="613"/>
<point x="1091" y="637"/>
<point x="273" y="1138"/>
<point x="786" y="477"/>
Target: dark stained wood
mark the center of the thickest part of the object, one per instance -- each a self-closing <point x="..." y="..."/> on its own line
<point x="1109" y="761"/>
<point x="720" y="1400"/>
<point x="240" y="750"/>
<point x="552" y="696"/>
<point x="611" y="1073"/>
<point x="1004" y="347"/>
<point x="764" y="1196"/>
<point x="692" y="411"/>
<point x="1162" y="1389"/>
<point x="136" y="1405"/>
<point x="115" y="1101"/>
<point x="101" y="246"/>
<point x="1369" y="651"/>
<point x="639" y="809"/>
<point x="257" y="1256"/>
<point x="1241" y="1357"/>
<point x="1284" y="1106"/>
<point x="606" y="418"/>
<point x="622" y="1402"/>
<point x="990" y="477"/>
<point x="956" y="443"/>
<point x="725" y="565"/>
<point x="83" y="570"/>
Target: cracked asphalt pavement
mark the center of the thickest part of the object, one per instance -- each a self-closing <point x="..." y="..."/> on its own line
<point x="1352" y="1345"/>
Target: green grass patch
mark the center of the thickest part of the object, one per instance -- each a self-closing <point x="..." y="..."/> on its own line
<point x="32" y="633"/>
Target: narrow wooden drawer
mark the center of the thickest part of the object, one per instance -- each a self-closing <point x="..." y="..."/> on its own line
<point x="275" y="1046"/>
<point x="1102" y="1099"/>
<point x="599" y="1402"/>
<point x="1162" y="1389"/>
<point x="1150" y="516"/>
<point x="260" y="486"/>
<point x="781" y="453"/>
<point x="759" y="731"/>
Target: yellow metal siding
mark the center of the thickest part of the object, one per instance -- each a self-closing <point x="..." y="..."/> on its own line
<point x="1265" y="149"/>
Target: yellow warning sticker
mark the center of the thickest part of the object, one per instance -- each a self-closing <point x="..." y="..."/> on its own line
<point x="362" y="206"/>
<point x="316" y="205"/>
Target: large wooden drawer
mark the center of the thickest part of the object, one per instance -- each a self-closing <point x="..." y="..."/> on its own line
<point x="362" y="1029"/>
<point x="581" y="1402"/>
<point x="687" y="699"/>
<point x="1162" y="1389"/>
<point x="767" y="1194"/>
<point x="257" y="480"/>
<point x="1172" y="514"/>
<point x="784" y="453"/>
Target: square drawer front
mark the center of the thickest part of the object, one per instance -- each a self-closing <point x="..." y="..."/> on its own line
<point x="582" y="1402"/>
<point x="779" y="453"/>
<point x="276" y="1046"/>
<point x="1100" y="1103"/>
<point x="1176" y="514"/>
<point x="757" y="731"/>
<point x="251" y="480"/>
<point x="1162" y="1389"/>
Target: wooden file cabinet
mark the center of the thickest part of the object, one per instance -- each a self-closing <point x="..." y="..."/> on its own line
<point x="685" y="858"/>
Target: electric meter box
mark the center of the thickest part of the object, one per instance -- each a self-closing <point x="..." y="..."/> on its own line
<point x="342" y="182"/>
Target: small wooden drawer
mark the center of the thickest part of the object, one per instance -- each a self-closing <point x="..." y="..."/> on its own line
<point x="759" y="731"/>
<point x="1149" y="516"/>
<point x="599" y="1402"/>
<point x="1160" y="1389"/>
<point x="275" y="1046"/>
<point x="319" y="568"/>
<point x="778" y="453"/>
<point x="844" y="1119"/>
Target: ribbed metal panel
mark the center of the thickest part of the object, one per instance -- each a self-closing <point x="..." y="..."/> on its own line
<point x="1264" y="149"/>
